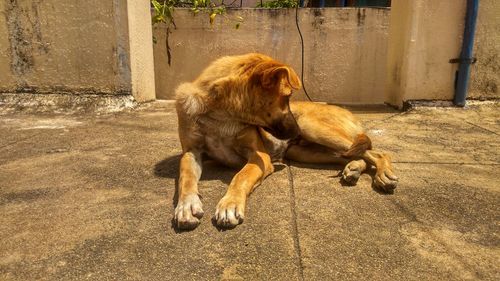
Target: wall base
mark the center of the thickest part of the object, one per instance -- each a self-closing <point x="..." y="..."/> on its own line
<point x="64" y="103"/>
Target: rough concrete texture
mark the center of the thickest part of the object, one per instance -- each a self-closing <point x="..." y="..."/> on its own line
<point x="65" y="103"/>
<point x="77" y="47"/>
<point x="424" y="36"/>
<point x="64" y="46"/>
<point x="91" y="198"/>
<point x="349" y="44"/>
<point x="485" y="80"/>
<point x="141" y="50"/>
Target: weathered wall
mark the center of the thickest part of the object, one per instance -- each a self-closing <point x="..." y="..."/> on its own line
<point x="485" y="74"/>
<point x="424" y="36"/>
<point x="103" y="47"/>
<point x="345" y="49"/>
<point x="76" y="47"/>
<point x="141" y="50"/>
<point x="64" y="46"/>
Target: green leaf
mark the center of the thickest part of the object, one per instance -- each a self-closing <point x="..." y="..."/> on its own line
<point x="156" y="5"/>
<point x="212" y="18"/>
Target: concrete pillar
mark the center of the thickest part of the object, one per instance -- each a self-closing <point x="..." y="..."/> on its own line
<point x="141" y="50"/>
<point x="423" y="36"/>
<point x="77" y="48"/>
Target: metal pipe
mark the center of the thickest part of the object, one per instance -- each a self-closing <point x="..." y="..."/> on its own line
<point x="466" y="54"/>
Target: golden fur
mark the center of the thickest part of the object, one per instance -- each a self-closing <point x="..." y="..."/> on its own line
<point x="238" y="113"/>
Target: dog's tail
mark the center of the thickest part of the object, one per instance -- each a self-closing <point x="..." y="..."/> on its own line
<point x="361" y="144"/>
<point x="189" y="98"/>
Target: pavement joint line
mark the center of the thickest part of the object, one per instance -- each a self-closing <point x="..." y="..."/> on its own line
<point x="375" y="123"/>
<point x="481" y="127"/>
<point x="446" y="163"/>
<point x="295" y="229"/>
<point x="18" y="141"/>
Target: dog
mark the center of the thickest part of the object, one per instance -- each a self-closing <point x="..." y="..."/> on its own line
<point x="238" y="112"/>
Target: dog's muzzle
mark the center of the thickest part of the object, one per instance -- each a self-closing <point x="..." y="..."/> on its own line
<point x="285" y="128"/>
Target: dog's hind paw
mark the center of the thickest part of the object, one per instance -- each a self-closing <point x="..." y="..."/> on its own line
<point x="350" y="176"/>
<point x="386" y="181"/>
<point x="188" y="212"/>
<point x="230" y="212"/>
<point x="352" y="171"/>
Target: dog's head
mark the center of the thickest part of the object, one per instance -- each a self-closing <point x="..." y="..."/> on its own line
<point x="272" y="84"/>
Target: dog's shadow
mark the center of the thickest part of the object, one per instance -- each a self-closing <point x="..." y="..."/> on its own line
<point x="169" y="168"/>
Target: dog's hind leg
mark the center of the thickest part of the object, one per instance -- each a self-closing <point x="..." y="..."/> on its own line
<point x="318" y="154"/>
<point x="385" y="178"/>
<point x="333" y="138"/>
<point x="189" y="211"/>
<point x="330" y="126"/>
<point x="314" y="153"/>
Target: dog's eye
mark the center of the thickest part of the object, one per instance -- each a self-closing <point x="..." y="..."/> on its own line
<point x="268" y="114"/>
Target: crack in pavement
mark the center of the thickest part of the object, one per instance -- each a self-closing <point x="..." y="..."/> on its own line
<point x="18" y="141"/>
<point x="295" y="229"/>
<point x="446" y="163"/>
<point x="481" y="127"/>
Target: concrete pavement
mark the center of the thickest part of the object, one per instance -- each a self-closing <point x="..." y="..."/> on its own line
<point x="91" y="197"/>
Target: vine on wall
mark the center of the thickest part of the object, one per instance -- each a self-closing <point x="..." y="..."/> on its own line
<point x="163" y="13"/>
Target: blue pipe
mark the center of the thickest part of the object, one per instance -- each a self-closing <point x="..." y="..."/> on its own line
<point x="321" y="3"/>
<point x="466" y="53"/>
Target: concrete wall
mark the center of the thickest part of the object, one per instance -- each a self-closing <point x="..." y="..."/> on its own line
<point x="485" y="74"/>
<point x="104" y="48"/>
<point x="75" y="47"/>
<point x="345" y="49"/>
<point x="424" y="36"/>
<point x="141" y="50"/>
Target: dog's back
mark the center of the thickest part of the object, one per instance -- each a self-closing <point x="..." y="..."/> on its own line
<point x="192" y="97"/>
<point x="230" y="66"/>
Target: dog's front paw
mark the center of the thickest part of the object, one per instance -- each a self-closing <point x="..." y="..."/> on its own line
<point x="188" y="212"/>
<point x="230" y="211"/>
<point x="386" y="181"/>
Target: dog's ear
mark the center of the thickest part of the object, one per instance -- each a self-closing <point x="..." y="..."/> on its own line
<point x="271" y="77"/>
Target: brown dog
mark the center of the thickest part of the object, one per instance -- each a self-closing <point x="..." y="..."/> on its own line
<point x="238" y="113"/>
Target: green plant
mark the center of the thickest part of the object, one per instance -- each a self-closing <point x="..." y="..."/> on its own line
<point x="163" y="12"/>
<point x="278" y="4"/>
